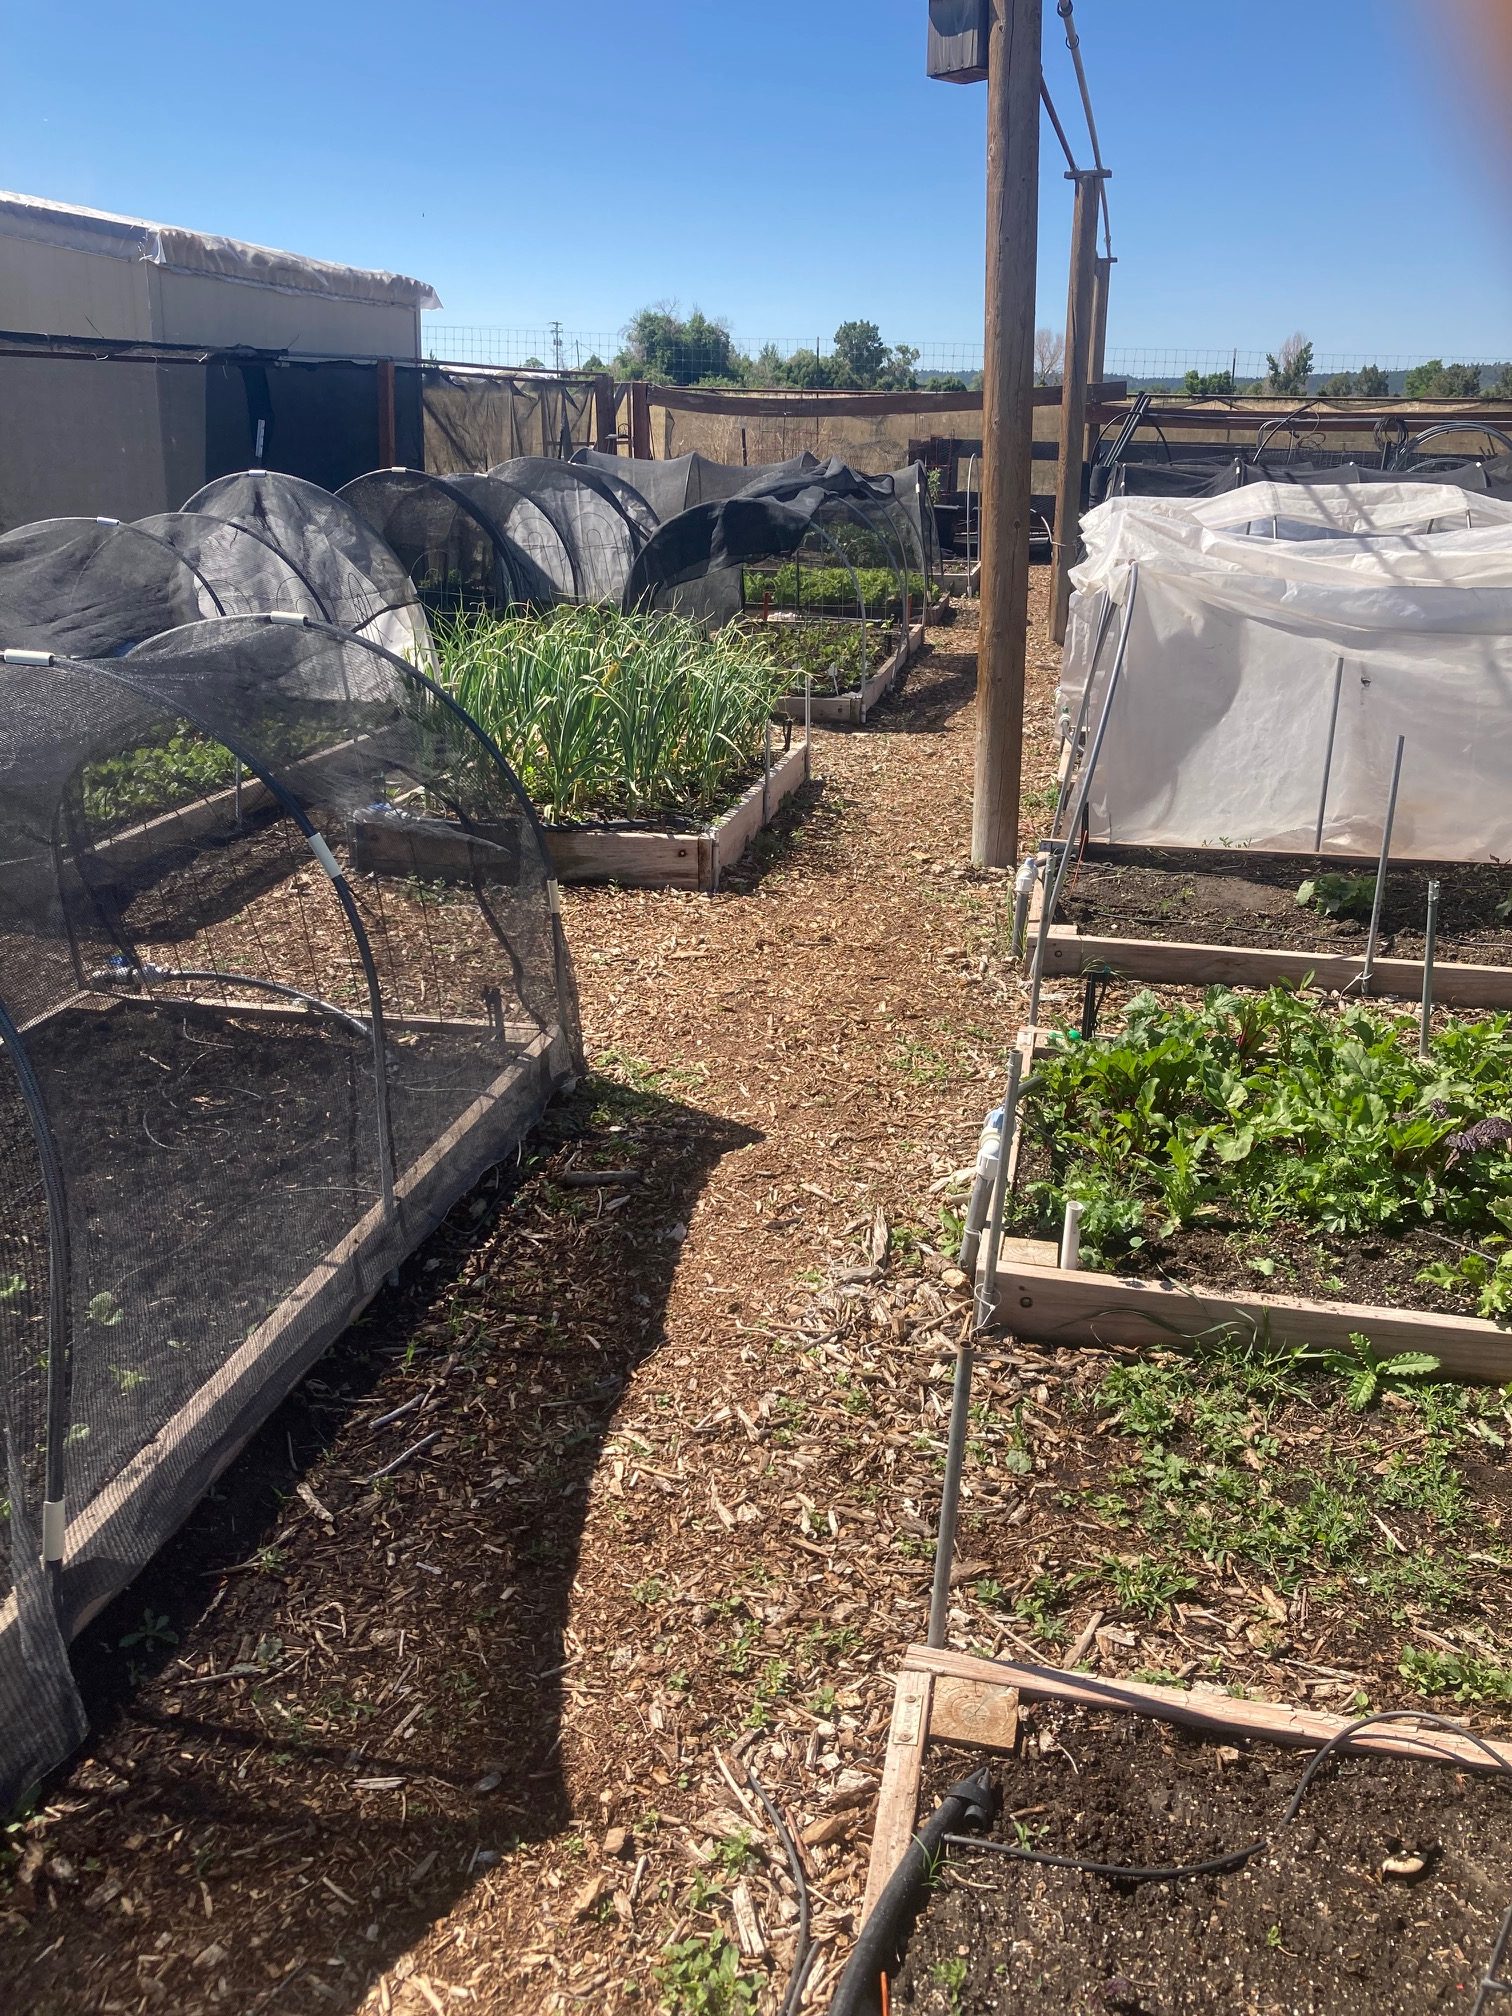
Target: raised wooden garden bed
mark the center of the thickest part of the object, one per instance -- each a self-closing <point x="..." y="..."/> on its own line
<point x="1264" y="904"/>
<point x="952" y="1698"/>
<point x="665" y="858"/>
<point x="1043" y="1303"/>
<point x="849" y="710"/>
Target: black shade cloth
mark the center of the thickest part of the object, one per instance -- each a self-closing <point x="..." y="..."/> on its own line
<point x="359" y="581"/>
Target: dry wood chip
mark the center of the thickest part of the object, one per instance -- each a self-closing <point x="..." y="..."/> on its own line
<point x="831" y="1827"/>
<point x="749" y="1935"/>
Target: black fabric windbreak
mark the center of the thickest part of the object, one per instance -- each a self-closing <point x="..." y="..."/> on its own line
<point x="682" y="481"/>
<point x="90" y="586"/>
<point x="360" y="583"/>
<point x="278" y="941"/>
<point x="601" y="520"/>
<point x="448" y="533"/>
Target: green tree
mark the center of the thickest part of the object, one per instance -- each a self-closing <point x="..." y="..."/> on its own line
<point x="1438" y="380"/>
<point x="899" y="374"/>
<point x="1291" y="370"/>
<point x="1502" y="388"/>
<point x="860" y="354"/>
<point x="1369" y="382"/>
<point x="809" y="371"/>
<point x="661" y="346"/>
<point x="1207" y="384"/>
<point x="767" y="367"/>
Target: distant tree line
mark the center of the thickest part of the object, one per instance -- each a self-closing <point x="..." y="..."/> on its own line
<point x="668" y="348"/>
<point x="1290" y="373"/>
<point x="696" y="349"/>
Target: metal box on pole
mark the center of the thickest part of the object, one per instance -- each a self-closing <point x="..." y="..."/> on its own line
<point x="958" y="32"/>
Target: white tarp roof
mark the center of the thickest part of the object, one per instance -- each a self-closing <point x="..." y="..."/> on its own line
<point x="1246" y="609"/>
<point x="44" y="222"/>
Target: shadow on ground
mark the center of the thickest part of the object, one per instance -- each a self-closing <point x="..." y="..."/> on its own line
<point x="336" y="1697"/>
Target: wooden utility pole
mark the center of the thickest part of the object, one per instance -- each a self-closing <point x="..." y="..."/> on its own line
<point x="1073" y="435"/>
<point x="1013" y="88"/>
<point x="1102" y="274"/>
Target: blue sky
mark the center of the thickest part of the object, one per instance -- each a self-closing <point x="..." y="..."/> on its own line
<point x="786" y="164"/>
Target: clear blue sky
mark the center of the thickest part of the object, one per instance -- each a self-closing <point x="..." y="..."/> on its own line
<point x="786" y="164"/>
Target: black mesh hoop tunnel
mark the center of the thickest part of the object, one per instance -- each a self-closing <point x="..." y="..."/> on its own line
<point x="201" y="1261"/>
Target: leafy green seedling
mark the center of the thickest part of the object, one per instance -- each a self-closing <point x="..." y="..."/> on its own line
<point x="1336" y="895"/>
<point x="1367" y="1376"/>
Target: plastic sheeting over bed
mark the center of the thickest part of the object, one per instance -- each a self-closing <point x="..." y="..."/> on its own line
<point x="1246" y="614"/>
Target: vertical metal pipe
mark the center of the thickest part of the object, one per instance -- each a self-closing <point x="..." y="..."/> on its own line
<point x="1333" y="722"/>
<point x="1380" y="888"/>
<point x="1079" y="797"/>
<point x="960" y="1392"/>
<point x="766" y="775"/>
<point x="1104" y="620"/>
<point x="986" y="1295"/>
<point x="950" y="1494"/>
<point x="1430" y="946"/>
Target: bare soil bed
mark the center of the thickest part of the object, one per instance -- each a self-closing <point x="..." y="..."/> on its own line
<point x="1206" y="896"/>
<point x="1312" y="1923"/>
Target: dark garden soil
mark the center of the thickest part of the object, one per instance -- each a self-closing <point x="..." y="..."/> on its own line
<point x="1313" y="1923"/>
<point x="1379" y="1270"/>
<point x="1209" y="897"/>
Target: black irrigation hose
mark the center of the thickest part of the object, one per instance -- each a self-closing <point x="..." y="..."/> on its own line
<point x="1237" y="1857"/>
<point x="876" y="1949"/>
<point x="803" y="1952"/>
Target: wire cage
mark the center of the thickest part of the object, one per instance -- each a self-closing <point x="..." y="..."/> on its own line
<point x="451" y="535"/>
<point x="601" y="521"/>
<point x="281" y="977"/>
<point x="360" y="584"/>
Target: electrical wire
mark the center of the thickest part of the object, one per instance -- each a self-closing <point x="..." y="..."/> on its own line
<point x="804" y="1951"/>
<point x="1073" y="43"/>
<point x="1236" y="1858"/>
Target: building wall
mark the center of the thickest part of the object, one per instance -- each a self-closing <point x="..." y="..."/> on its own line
<point x="121" y="440"/>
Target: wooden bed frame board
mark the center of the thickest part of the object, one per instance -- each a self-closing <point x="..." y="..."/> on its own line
<point x="849" y="710"/>
<point x="1049" y="1304"/>
<point x="956" y="1698"/>
<point x="1070" y="951"/>
<point x="649" y="860"/>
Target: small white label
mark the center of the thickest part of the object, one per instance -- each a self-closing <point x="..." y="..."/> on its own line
<point x="29" y="658"/>
<point x="553" y="896"/>
<point x="288" y="616"/>
<point x="53" y="1524"/>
